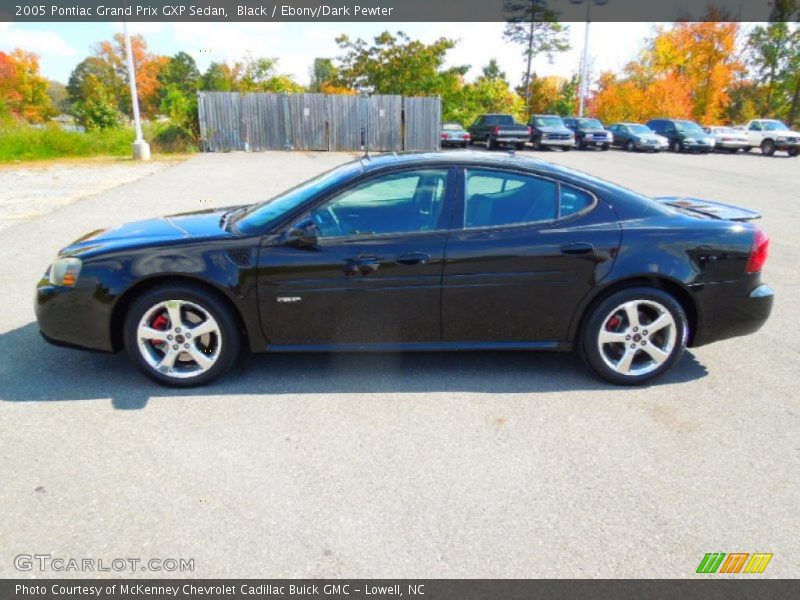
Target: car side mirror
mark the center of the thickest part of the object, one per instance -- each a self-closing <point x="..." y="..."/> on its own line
<point x="302" y="234"/>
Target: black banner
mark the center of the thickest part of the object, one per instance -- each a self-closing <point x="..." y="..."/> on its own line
<point x="423" y="589"/>
<point x="395" y="10"/>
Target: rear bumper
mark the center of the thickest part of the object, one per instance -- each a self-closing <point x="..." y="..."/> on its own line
<point x="727" y="310"/>
<point x="511" y="139"/>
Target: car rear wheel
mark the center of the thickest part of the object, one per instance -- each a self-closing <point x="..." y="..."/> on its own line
<point x="181" y="335"/>
<point x="634" y="335"/>
<point x="747" y="149"/>
<point x="768" y="147"/>
<point x="630" y="146"/>
<point x="794" y="151"/>
<point x="489" y="143"/>
<point x="520" y="146"/>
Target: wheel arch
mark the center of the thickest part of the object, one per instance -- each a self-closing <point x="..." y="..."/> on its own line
<point x="123" y="303"/>
<point x="676" y="289"/>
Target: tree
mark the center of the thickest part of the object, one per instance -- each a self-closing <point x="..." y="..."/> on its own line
<point x="396" y="64"/>
<point x="219" y="77"/>
<point x="323" y="72"/>
<point x="181" y="70"/>
<point x="23" y="90"/>
<point x="553" y="94"/>
<point x="58" y="96"/>
<point x="534" y="26"/>
<point x="492" y="71"/>
<point x="148" y="68"/>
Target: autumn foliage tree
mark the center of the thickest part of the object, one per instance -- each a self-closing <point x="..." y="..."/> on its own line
<point x="686" y="71"/>
<point x="23" y="90"/>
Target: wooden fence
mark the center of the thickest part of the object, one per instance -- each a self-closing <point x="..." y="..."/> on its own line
<point x="259" y="121"/>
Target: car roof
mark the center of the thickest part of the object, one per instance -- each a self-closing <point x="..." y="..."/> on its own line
<point x="497" y="159"/>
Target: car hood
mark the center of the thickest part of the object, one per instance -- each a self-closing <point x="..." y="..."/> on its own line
<point x="554" y="130"/>
<point x="198" y="225"/>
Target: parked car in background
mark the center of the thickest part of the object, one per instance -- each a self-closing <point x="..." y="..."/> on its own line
<point x="637" y="137"/>
<point x="499" y="130"/>
<point x="549" y="131"/>
<point x="728" y="139"/>
<point x="683" y="135"/>
<point x="453" y="134"/>
<point x="436" y="251"/>
<point x="771" y="135"/>
<point x="589" y="133"/>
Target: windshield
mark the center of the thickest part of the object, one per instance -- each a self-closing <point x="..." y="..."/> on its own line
<point x="549" y="122"/>
<point x="640" y="129"/>
<point x="689" y="127"/>
<point x="589" y="124"/>
<point x="261" y="215"/>
<point x="451" y="127"/>
<point x="775" y="126"/>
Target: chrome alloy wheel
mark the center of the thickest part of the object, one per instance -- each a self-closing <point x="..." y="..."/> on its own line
<point x="637" y="337"/>
<point x="179" y="338"/>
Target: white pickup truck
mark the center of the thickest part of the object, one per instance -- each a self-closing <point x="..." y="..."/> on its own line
<point x="771" y="135"/>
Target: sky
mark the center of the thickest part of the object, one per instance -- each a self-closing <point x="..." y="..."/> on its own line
<point x="61" y="46"/>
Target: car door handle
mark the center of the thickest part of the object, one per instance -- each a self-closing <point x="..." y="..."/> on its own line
<point x="413" y="258"/>
<point x="577" y="248"/>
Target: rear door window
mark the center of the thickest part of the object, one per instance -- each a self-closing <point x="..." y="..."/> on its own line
<point x="495" y="198"/>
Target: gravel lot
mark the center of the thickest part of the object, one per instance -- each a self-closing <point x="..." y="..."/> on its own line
<point x="29" y="191"/>
<point x="458" y="465"/>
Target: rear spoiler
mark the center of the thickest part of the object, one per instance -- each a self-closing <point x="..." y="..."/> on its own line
<point x="708" y="208"/>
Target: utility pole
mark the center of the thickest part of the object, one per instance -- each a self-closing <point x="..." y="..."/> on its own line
<point x="584" y="75"/>
<point x="141" y="149"/>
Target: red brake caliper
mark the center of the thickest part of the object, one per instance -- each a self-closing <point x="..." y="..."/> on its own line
<point x="612" y="323"/>
<point x="160" y="322"/>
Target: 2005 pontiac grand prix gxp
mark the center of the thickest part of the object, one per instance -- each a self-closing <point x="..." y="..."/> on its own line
<point x="439" y="251"/>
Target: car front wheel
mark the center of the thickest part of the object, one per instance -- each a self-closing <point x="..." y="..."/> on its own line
<point x="634" y="335"/>
<point x="768" y="147"/>
<point x="181" y="335"/>
<point x="794" y="151"/>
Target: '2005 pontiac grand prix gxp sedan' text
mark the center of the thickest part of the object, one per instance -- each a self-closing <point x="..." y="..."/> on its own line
<point x="438" y="251"/>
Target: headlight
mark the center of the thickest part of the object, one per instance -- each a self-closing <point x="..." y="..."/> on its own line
<point x="65" y="271"/>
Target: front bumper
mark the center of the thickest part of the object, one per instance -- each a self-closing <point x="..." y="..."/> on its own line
<point x="787" y="144"/>
<point x="728" y="310"/>
<point x="73" y="317"/>
<point x="560" y="143"/>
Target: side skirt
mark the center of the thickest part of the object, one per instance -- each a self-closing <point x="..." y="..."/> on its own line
<point x="421" y="347"/>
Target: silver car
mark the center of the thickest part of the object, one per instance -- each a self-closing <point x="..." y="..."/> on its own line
<point x="727" y="139"/>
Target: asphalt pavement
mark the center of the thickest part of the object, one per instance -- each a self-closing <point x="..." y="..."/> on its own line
<point x="403" y="465"/>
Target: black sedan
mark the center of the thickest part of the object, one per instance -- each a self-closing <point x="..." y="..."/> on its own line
<point x="436" y="251"/>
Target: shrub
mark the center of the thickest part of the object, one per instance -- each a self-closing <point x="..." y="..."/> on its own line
<point x="172" y="138"/>
<point x="25" y="142"/>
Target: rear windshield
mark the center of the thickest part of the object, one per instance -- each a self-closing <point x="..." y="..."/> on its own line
<point x="499" y="120"/>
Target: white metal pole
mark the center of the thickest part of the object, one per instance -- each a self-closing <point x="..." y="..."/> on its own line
<point x="141" y="149"/>
<point x="584" y="61"/>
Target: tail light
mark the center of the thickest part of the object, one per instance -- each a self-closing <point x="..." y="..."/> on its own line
<point x="497" y="129"/>
<point x="759" y="251"/>
<point x="529" y="131"/>
<point x="465" y="136"/>
<point x="444" y="136"/>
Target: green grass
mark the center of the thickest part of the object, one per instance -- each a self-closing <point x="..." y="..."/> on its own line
<point x="25" y="143"/>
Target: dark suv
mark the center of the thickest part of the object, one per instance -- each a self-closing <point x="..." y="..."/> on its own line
<point x="683" y="135"/>
<point x="589" y="133"/>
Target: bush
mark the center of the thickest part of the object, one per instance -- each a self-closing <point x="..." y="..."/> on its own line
<point x="170" y="138"/>
<point x="26" y="142"/>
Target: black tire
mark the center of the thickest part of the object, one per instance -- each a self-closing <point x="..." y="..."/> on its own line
<point x="490" y="143"/>
<point x="520" y="146"/>
<point x="464" y="145"/>
<point x="767" y="147"/>
<point x="673" y="146"/>
<point x="566" y="148"/>
<point x="604" y="314"/>
<point x="732" y="150"/>
<point x="747" y="149"/>
<point x="630" y="146"/>
<point x="605" y="147"/>
<point x="193" y="297"/>
<point x="793" y="151"/>
<point x="537" y="144"/>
